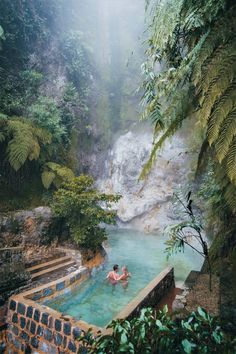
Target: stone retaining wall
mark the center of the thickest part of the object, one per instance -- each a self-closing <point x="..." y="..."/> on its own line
<point x="35" y="328"/>
<point x="12" y="275"/>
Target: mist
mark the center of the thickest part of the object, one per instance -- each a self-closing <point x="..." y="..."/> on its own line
<point x="113" y="32"/>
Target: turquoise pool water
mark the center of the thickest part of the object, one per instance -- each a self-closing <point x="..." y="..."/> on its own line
<point x="97" y="302"/>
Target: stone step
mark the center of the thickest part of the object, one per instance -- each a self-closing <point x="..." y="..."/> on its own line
<point x="45" y="265"/>
<point x="33" y="262"/>
<point x="44" y="272"/>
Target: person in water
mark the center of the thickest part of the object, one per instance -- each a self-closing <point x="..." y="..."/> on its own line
<point x="113" y="276"/>
<point x="124" y="277"/>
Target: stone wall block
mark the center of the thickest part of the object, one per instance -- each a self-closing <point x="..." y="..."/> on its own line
<point x="15" y="318"/>
<point x="36" y="315"/>
<point x="58" y="325"/>
<point x="24" y="336"/>
<point x="67" y="328"/>
<point x="58" y="339"/>
<point x="12" y="305"/>
<point x="60" y="286"/>
<point x="76" y="332"/>
<point x="72" y="346"/>
<point x="22" y="322"/>
<point x="32" y="327"/>
<point x="34" y="342"/>
<point x="48" y="334"/>
<point x="51" y="322"/>
<point x="64" y="344"/>
<point x="29" y="312"/>
<point x="40" y="330"/>
<point x="21" y="308"/>
<point x="44" y="318"/>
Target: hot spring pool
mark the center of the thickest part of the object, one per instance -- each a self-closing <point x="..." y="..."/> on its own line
<point x="97" y="302"/>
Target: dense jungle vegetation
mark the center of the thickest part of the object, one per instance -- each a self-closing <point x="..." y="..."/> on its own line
<point x="48" y="84"/>
<point x="38" y="118"/>
<point x="190" y="74"/>
<point x="57" y="101"/>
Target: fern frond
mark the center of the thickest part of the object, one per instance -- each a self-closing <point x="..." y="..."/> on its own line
<point x="47" y="178"/>
<point x="24" y="142"/>
<point x="231" y="162"/>
<point x="223" y="29"/>
<point x="223" y="55"/>
<point x="206" y="33"/>
<point x="19" y="147"/>
<point x="2" y="137"/>
<point x="56" y="174"/>
<point x="216" y="90"/>
<point x="202" y="157"/>
<point x="35" y="151"/>
<point x="221" y="109"/>
<point x="226" y="136"/>
<point x="168" y="133"/>
<point x="230" y="196"/>
<point x="43" y="135"/>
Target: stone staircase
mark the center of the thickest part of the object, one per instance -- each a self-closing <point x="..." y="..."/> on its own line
<point x="57" y="265"/>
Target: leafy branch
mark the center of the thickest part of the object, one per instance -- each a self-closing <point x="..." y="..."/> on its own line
<point x="182" y="234"/>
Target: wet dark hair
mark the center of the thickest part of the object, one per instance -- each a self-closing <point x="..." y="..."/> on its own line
<point x="115" y="267"/>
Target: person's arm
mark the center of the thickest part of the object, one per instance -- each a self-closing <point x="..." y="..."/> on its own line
<point x="121" y="277"/>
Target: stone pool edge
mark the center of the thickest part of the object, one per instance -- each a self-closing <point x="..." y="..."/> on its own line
<point x="44" y="330"/>
<point x="34" y="326"/>
<point x="151" y="295"/>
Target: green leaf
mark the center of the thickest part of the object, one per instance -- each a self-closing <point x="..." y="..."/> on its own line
<point x="1" y="33"/>
<point x="202" y="313"/>
<point x="47" y="178"/>
<point x="123" y="338"/>
<point x="217" y="337"/>
<point x="188" y="346"/>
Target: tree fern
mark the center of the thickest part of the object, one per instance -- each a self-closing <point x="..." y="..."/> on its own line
<point x="231" y="162"/>
<point x="221" y="109"/>
<point x="199" y="51"/>
<point x="56" y="174"/>
<point x="226" y="136"/>
<point x="47" y="178"/>
<point x="24" y="142"/>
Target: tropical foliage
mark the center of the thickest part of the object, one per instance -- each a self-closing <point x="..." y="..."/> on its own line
<point x="53" y="173"/>
<point x="84" y="209"/>
<point x="40" y="119"/>
<point x="188" y="232"/>
<point x="22" y="139"/>
<point x="157" y="333"/>
<point x="191" y="72"/>
<point x="45" y="113"/>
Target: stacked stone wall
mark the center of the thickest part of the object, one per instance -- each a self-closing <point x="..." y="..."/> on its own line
<point x="12" y="276"/>
<point x="35" y="328"/>
<point x="34" y="331"/>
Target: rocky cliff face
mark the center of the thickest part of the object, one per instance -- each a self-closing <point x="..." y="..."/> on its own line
<point x="26" y="227"/>
<point x="144" y="204"/>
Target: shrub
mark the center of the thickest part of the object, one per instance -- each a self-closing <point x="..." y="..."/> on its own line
<point x="157" y="333"/>
<point x="84" y="208"/>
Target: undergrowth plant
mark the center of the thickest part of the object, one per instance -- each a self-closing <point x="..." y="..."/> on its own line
<point x="190" y="229"/>
<point x="157" y="333"/>
<point x="84" y="208"/>
<point x="190" y="72"/>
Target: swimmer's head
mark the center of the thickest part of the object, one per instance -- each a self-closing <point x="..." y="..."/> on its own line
<point x="124" y="269"/>
<point x="115" y="267"/>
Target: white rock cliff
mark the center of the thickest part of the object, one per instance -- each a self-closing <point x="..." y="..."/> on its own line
<point x="144" y="204"/>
